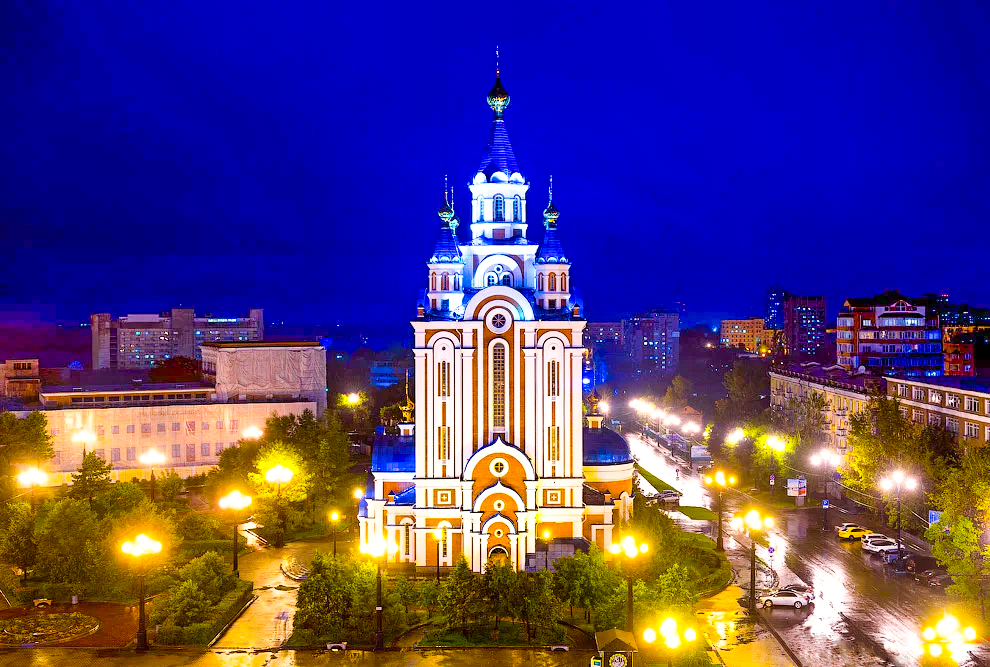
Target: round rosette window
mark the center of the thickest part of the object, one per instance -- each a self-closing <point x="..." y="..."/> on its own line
<point x="499" y="467"/>
<point x="498" y="320"/>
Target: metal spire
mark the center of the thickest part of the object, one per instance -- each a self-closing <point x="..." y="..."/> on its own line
<point x="551" y="189"/>
<point x="445" y="200"/>
<point x="497" y="70"/>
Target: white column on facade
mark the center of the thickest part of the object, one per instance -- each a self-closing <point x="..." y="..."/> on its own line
<point x="514" y="550"/>
<point x="529" y="359"/>
<point x="517" y="384"/>
<point x="465" y="410"/>
<point x="577" y="461"/>
<point x="540" y="413"/>
<point x="420" y="417"/>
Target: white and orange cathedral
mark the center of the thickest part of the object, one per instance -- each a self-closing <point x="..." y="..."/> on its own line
<point x="499" y="451"/>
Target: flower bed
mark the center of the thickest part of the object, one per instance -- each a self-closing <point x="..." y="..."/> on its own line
<point x="46" y="628"/>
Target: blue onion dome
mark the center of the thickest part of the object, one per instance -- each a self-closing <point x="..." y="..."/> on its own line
<point x="498" y="99"/>
<point x="550" y="215"/>
<point x="603" y="446"/>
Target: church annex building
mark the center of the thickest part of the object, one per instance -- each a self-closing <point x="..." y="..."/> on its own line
<point x="499" y="451"/>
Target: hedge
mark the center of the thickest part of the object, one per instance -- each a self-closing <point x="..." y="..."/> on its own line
<point x="197" y="548"/>
<point x="203" y="633"/>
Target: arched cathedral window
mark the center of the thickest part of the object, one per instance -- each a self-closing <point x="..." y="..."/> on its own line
<point x="507" y="279"/>
<point x="445" y="281"/>
<point x="499" y="208"/>
<point x="552" y="283"/>
<point x="433" y="281"/>
<point x="481" y="209"/>
<point x="517" y="209"/>
<point x="490" y="279"/>
<point x="498" y="386"/>
<point x="563" y="282"/>
<point x="539" y="281"/>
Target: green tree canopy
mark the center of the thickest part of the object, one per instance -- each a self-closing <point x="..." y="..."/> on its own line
<point x="176" y="369"/>
<point x="91" y="478"/>
<point x="18" y="544"/>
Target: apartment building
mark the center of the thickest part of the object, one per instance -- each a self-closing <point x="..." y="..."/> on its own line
<point x="653" y="340"/>
<point x="959" y="404"/>
<point x="889" y="334"/>
<point x="750" y="334"/>
<point x="846" y="394"/>
<point x="804" y="324"/>
<point x="140" y="341"/>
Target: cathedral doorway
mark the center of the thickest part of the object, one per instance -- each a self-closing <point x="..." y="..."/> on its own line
<point x="498" y="555"/>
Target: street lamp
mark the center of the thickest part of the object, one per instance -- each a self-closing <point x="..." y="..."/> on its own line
<point x="604" y="407"/>
<point x="752" y="522"/>
<point x="251" y="433"/>
<point x="735" y="436"/>
<point x="279" y="475"/>
<point x="235" y="501"/>
<point x="334" y="518"/>
<point x="671" y="635"/>
<point x="774" y="444"/>
<point x="152" y="458"/>
<point x="141" y="546"/>
<point x="630" y="549"/>
<point x="719" y="481"/>
<point x="895" y="482"/>
<point x="32" y="478"/>
<point x="380" y="550"/>
<point x="353" y="399"/>
<point x="826" y="459"/>
<point x="947" y="636"/>
<point x="357" y="494"/>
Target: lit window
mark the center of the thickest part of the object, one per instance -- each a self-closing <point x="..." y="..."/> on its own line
<point x="499" y="208"/>
<point x="517" y="209"/>
<point x="498" y="386"/>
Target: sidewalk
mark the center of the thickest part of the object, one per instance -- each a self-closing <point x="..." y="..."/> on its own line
<point x="738" y="639"/>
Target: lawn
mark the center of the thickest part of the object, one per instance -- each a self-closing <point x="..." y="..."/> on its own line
<point x="509" y="634"/>
<point x="697" y="513"/>
<point x="657" y="483"/>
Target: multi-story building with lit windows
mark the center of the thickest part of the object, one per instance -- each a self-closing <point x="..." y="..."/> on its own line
<point x="494" y="451"/>
<point x="845" y="394"/>
<point x="653" y="340"/>
<point x="141" y="341"/>
<point x="889" y="334"/>
<point x="960" y="405"/>
<point x="750" y="334"/>
<point x="804" y="324"/>
<point x="776" y="299"/>
<point x="607" y="336"/>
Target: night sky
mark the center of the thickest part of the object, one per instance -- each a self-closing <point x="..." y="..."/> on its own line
<point x="291" y="155"/>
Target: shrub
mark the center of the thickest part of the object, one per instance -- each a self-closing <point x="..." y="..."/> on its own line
<point x="204" y="631"/>
<point x="210" y="574"/>
<point x="194" y="526"/>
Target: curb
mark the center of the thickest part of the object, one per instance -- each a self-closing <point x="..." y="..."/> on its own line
<point x="780" y="640"/>
<point x="236" y="616"/>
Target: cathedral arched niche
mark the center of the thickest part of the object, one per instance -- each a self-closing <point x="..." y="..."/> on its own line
<point x="497" y="265"/>
<point x="483" y="301"/>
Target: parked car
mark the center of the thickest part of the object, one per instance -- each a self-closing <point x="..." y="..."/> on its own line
<point x="869" y="537"/>
<point x="940" y="581"/>
<point x="921" y="563"/>
<point x="927" y="575"/>
<point x="879" y="546"/>
<point x="783" y="599"/>
<point x="807" y="591"/>
<point x="669" y="496"/>
<point x="852" y="533"/>
<point x="843" y="526"/>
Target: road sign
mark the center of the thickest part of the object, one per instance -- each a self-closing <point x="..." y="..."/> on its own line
<point x="770" y="549"/>
<point x="933" y="516"/>
<point x="771" y="480"/>
<point x="825" y="503"/>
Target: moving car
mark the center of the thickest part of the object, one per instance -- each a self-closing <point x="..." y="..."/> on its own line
<point x="783" y="599"/>
<point x="880" y="546"/>
<point x="843" y="526"/>
<point x="852" y="533"/>
<point x="807" y="591"/>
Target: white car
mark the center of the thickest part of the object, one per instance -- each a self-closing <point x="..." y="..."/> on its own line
<point x="783" y="599"/>
<point x="843" y="526"/>
<point x="870" y="537"/>
<point x="880" y="546"/>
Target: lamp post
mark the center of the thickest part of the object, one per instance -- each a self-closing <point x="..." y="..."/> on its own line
<point x="719" y="481"/>
<point x="827" y="460"/>
<point x="774" y="444"/>
<point x="357" y="494"/>
<point x="352" y="399"/>
<point x="752" y="522"/>
<point x="948" y="636"/>
<point x="672" y="636"/>
<point x="895" y="482"/>
<point x="547" y="537"/>
<point x="142" y="545"/>
<point x="334" y="518"/>
<point x="235" y="501"/>
<point x="380" y="550"/>
<point x="438" y="534"/>
<point x="279" y="475"/>
<point x="32" y="478"/>
<point x="630" y="549"/>
<point x="152" y="458"/>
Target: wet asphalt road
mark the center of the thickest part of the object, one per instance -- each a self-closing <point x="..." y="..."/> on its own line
<point x="852" y="588"/>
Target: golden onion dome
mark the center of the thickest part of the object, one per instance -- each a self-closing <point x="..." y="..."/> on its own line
<point x="550" y="214"/>
<point x="498" y="99"/>
<point x="445" y="212"/>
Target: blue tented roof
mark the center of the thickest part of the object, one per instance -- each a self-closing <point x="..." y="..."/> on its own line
<point x="603" y="446"/>
<point x="499" y="155"/>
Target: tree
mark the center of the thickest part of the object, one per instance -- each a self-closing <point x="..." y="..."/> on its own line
<point x="170" y="486"/>
<point x="274" y="500"/>
<point x="18" y="544"/>
<point x="24" y="441"/>
<point x="211" y="575"/>
<point x="118" y="498"/>
<point x="405" y="591"/>
<point x="64" y="541"/>
<point x="678" y="393"/>
<point x="961" y="552"/>
<point x="176" y="369"/>
<point x="498" y="581"/>
<point x="91" y="478"/>
<point x="429" y="596"/>
<point x="459" y="596"/>
<point x="748" y="386"/>
<point x="327" y="599"/>
<point x="185" y="605"/>
<point x="545" y="609"/>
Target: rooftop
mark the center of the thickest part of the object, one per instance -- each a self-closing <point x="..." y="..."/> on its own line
<point x="603" y="446"/>
<point x="260" y="343"/>
<point x="884" y="299"/>
<point x="136" y="387"/>
<point x="975" y="384"/>
<point x="833" y="376"/>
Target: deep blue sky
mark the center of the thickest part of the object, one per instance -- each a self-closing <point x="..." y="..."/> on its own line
<point x="291" y="155"/>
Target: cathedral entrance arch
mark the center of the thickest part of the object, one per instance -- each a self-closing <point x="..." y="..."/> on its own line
<point x="499" y="555"/>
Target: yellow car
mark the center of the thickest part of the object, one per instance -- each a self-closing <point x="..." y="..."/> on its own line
<point x="853" y="533"/>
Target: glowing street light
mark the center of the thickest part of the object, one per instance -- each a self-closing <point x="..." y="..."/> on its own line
<point x="719" y="481"/>
<point x="380" y="550"/>
<point x="279" y="475"/>
<point x="735" y="436"/>
<point x="948" y="636"/>
<point x="235" y="501"/>
<point x="672" y="636"/>
<point x="32" y="478"/>
<point x="353" y="399"/>
<point x="438" y="533"/>
<point x="776" y="446"/>
<point x="152" y="458"/>
<point x="628" y="547"/>
<point x="334" y="518"/>
<point x="895" y="482"/>
<point x="604" y="407"/>
<point x="252" y="432"/>
<point x="142" y="545"/>
<point x="752" y="522"/>
<point x="547" y="537"/>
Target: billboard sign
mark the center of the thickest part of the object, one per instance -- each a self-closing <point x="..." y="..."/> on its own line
<point x="797" y="487"/>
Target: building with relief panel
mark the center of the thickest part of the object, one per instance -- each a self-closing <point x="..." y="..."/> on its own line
<point x="499" y="451"/>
